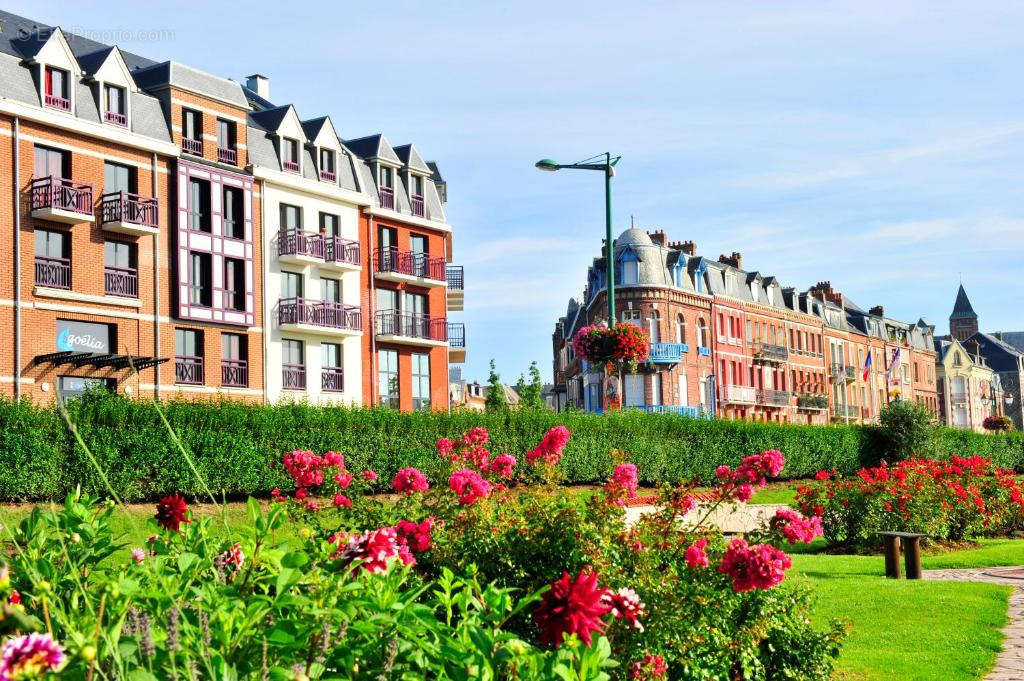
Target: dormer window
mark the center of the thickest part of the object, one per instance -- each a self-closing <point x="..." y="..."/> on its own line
<point x="630" y="269"/>
<point x="327" y="173"/>
<point x="191" y="132"/>
<point x="416" y="196"/>
<point x="56" y="89"/>
<point x="117" y="110"/>
<point x="387" y="188"/>
<point x="226" y="152"/>
<point x="290" y="154"/>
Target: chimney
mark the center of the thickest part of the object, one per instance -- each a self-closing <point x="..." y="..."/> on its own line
<point x="259" y="84"/>
<point x="657" y="236"/>
<point x="878" y="311"/>
<point x="736" y="260"/>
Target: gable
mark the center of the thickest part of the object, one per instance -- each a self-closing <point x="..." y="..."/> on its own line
<point x="327" y="136"/>
<point x="114" y="71"/>
<point x="56" y="52"/>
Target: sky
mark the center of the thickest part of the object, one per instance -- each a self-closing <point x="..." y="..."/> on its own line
<point x="877" y="145"/>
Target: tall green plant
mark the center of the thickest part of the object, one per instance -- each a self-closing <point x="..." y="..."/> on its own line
<point x="906" y="430"/>
<point x="531" y="394"/>
<point x="496" y="400"/>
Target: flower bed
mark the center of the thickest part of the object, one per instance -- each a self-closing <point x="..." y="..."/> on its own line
<point x="460" y="577"/>
<point x="963" y="498"/>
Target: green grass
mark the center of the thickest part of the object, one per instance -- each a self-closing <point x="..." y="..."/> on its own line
<point x="912" y="630"/>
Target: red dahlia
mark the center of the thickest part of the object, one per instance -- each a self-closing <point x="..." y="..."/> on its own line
<point x="572" y="606"/>
<point x="171" y="512"/>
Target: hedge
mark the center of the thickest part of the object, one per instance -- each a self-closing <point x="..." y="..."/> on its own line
<point x="237" y="448"/>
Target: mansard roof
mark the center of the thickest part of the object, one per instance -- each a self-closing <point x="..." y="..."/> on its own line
<point x="411" y="158"/>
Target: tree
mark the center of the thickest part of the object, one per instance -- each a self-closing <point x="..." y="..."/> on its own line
<point x="496" y="400"/>
<point x="531" y="395"/>
<point x="906" y="429"/>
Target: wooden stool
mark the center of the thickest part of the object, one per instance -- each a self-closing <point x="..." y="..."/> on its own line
<point x="911" y="542"/>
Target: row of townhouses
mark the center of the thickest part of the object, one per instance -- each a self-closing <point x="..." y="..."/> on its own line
<point x="175" y="233"/>
<point x="734" y="343"/>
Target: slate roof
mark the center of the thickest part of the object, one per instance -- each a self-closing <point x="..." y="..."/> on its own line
<point x="313" y="126"/>
<point x="962" y="308"/>
<point x="373" y="146"/>
<point x="172" y="73"/>
<point x="270" y="119"/>
<point x="15" y="29"/>
<point x="410" y="157"/>
<point x="999" y="355"/>
<point x="1014" y="339"/>
<point x="92" y="62"/>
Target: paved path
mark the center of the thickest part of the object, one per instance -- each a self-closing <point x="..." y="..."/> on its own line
<point x="1010" y="662"/>
<point x="730" y="518"/>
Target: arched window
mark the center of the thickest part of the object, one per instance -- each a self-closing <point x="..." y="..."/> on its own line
<point x="630" y="269"/>
<point x="702" y="333"/>
<point x="957" y="361"/>
<point x="654" y="327"/>
<point x="680" y="328"/>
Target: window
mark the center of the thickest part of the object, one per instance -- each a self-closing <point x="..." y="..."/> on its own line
<point x="418" y="246"/>
<point x="330" y="224"/>
<point x="290" y="153"/>
<point x="234" y="365"/>
<point x="291" y="217"/>
<point x="631" y="316"/>
<point x="69" y="387"/>
<point x="417" y="186"/>
<point x="387" y="299"/>
<point x="117" y="112"/>
<point x="655" y="389"/>
<point x="327" y="165"/>
<point x="56" y="89"/>
<point x="192" y="125"/>
<point x="630" y="271"/>
<point x="188" y="356"/>
<point x="654" y="327"/>
<point x="702" y="333"/>
<point x="291" y="285"/>
<point x="386" y="181"/>
<point x="293" y="364"/>
<point x="331" y="367"/>
<point x="120" y="274"/>
<point x="51" y="162"/>
<point x="118" y="178"/>
<point x="680" y="328"/>
<point x="234" y="284"/>
<point x="330" y="290"/>
<point x="198" y="205"/>
<point x="225" y="134"/>
<point x="387" y="377"/>
<point x="200" y="288"/>
<point x="416" y="198"/>
<point x="750" y="332"/>
<point x="388" y="240"/>
<point x="234" y="214"/>
<point x="420" y="381"/>
<point x="53" y="259"/>
<point x="331" y="355"/>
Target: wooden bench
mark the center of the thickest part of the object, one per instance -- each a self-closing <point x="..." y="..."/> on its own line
<point x="911" y="542"/>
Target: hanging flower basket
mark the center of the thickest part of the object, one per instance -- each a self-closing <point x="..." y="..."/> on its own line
<point x="620" y="348"/>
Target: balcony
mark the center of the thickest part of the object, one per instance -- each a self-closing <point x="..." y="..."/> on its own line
<point x="843" y="373"/>
<point x="320" y="317"/>
<point x="57" y="102"/>
<point x="290" y="166"/>
<point x="293" y="376"/>
<point x="391" y="264"/>
<point x="812" y="401"/>
<point x="328" y="252"/>
<point x="456" y="294"/>
<point x="234" y="373"/>
<point x="678" y="409"/>
<point x="226" y="155"/>
<point x="332" y="380"/>
<point x="410" y="328"/>
<point x="668" y="353"/>
<point x="704" y="351"/>
<point x="768" y="352"/>
<point x="127" y="213"/>
<point x="328" y="176"/>
<point x="417" y="206"/>
<point x="739" y="394"/>
<point x="841" y="412"/>
<point x="120" y="281"/>
<point x="53" y="272"/>
<point x="61" y="200"/>
<point x="191" y="146"/>
<point x="387" y="198"/>
<point x="116" y="118"/>
<point x="773" y="398"/>
<point x="188" y="370"/>
<point x="456" y="342"/>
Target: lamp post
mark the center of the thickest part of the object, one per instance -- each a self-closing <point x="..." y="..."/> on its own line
<point x="607" y="166"/>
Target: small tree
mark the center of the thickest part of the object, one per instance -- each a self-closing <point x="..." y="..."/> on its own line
<point x="906" y="429"/>
<point x="496" y="400"/>
<point x="531" y="395"/>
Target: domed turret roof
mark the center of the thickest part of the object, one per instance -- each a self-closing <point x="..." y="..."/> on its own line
<point x="634" y="237"/>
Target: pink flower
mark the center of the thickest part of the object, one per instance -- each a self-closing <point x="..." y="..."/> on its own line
<point x="171" y="512"/>
<point x="622" y="485"/>
<point x="626" y="605"/>
<point x="754" y="567"/>
<point x="445" y="447"/>
<point x="696" y="556"/>
<point x="312" y="506"/>
<point x="503" y="465"/>
<point x="139" y="555"/>
<point x="232" y="558"/>
<point x="410" y="480"/>
<point x="304" y="468"/>
<point x="572" y="606"/>
<point x="469" y="485"/>
<point x="334" y="459"/>
<point x="343" y="479"/>
<point x="551" y="447"/>
<point x="369" y="476"/>
<point x="686" y="504"/>
<point x="476" y="436"/>
<point x="651" y="667"/>
<point x="375" y="550"/>
<point x="14" y="598"/>
<point x="745" y="492"/>
<point x="723" y="472"/>
<point x="821" y="475"/>
<point x="340" y="500"/>
<point x="795" y="527"/>
<point x="30" y="657"/>
<point x="301" y="494"/>
<point x="416" y="536"/>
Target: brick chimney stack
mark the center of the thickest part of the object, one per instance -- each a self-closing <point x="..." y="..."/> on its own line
<point x="657" y="236"/>
<point x="687" y="247"/>
<point x="825" y="290"/>
<point x="736" y="260"/>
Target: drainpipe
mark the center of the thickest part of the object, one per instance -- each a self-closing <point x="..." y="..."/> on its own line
<point x="373" y="316"/>
<point x="17" y="266"/>
<point x="155" y="188"/>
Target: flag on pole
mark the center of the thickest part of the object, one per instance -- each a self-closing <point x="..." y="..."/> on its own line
<point x="867" y="367"/>
<point x="890" y="375"/>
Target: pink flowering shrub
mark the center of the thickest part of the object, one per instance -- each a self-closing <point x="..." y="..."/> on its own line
<point x="410" y="481"/>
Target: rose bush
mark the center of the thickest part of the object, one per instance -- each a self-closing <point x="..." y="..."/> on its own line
<point x="962" y="498"/>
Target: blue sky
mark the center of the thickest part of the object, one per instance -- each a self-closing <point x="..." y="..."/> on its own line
<point x="875" y="144"/>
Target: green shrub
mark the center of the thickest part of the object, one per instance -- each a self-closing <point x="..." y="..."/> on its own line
<point x="905" y="430"/>
<point x="238" y="447"/>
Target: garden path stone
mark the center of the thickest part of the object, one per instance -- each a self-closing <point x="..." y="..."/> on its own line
<point x="1010" y="662"/>
<point x="731" y="519"/>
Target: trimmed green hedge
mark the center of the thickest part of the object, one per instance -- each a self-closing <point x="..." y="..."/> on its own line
<point x="238" y="448"/>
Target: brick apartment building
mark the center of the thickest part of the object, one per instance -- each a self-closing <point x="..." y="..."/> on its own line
<point x="760" y="351"/>
<point x="141" y="262"/>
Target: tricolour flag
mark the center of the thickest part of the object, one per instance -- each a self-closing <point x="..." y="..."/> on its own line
<point x="867" y="367"/>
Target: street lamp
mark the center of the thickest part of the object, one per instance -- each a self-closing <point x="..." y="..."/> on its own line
<point x="607" y="166"/>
